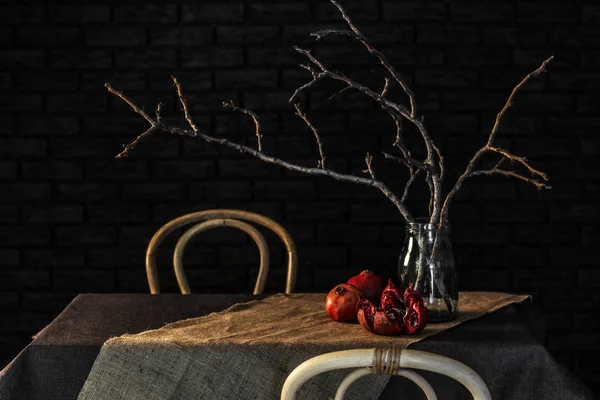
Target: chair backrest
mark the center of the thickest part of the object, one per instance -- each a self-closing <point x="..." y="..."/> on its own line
<point x="259" y="239"/>
<point x="209" y="219"/>
<point x="389" y="361"/>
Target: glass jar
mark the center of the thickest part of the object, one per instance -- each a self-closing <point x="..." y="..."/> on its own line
<point x="434" y="278"/>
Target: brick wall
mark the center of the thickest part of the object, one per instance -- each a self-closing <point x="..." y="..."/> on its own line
<point x="74" y="219"/>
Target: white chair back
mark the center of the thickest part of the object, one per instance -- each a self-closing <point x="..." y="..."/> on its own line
<point x="389" y="361"/>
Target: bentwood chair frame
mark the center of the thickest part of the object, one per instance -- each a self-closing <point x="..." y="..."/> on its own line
<point x="210" y="219"/>
<point x="391" y="361"/>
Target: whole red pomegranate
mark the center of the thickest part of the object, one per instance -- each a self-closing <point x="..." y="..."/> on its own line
<point x="341" y="302"/>
<point x="370" y="284"/>
<point x="398" y="313"/>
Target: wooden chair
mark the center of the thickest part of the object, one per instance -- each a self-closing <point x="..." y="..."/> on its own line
<point x="210" y="219"/>
<point x="385" y="361"/>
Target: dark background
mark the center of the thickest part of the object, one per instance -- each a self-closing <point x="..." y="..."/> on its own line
<point x="74" y="219"/>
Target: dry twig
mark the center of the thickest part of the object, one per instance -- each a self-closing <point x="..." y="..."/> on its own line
<point x="183" y="102"/>
<point x="230" y="104"/>
<point x="154" y="125"/>
<point x="369" y="162"/>
<point x="490" y="148"/>
<point x="320" y="171"/>
<point x="321" y="163"/>
<point x="382" y="59"/>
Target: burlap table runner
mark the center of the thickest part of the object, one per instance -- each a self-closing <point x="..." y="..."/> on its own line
<point x="248" y="350"/>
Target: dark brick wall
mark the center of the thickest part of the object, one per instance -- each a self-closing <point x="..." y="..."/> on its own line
<point x="73" y="219"/>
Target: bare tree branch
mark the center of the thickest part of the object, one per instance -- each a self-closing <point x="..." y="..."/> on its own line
<point x="131" y="104"/>
<point x="339" y="92"/>
<point x="510" y="174"/>
<point x="158" y="116"/>
<point x="431" y="207"/>
<point x="509" y="102"/>
<point x="321" y="163"/>
<point x="316" y="78"/>
<point x="409" y="161"/>
<point x="408" y="185"/>
<point x="398" y="139"/>
<point x="131" y="146"/>
<point x="518" y="159"/>
<point x="369" y="161"/>
<point x="489" y="148"/>
<point x="382" y="59"/>
<point x="413" y="175"/>
<point x="230" y="104"/>
<point x="412" y="163"/>
<point x="386" y="104"/>
<point x="325" y="73"/>
<point x="154" y="125"/>
<point x="433" y="177"/>
<point x="499" y="163"/>
<point x="310" y="69"/>
<point x="263" y="157"/>
<point x="318" y="35"/>
<point x="440" y="161"/>
<point x="398" y="159"/>
<point x="183" y="102"/>
<point x="470" y="170"/>
<point x="385" y="87"/>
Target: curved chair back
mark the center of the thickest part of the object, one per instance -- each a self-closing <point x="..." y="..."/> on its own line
<point x="209" y="219"/>
<point x="389" y="361"/>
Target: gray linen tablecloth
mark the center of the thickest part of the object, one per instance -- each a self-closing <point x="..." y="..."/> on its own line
<point x="500" y="347"/>
<point x="247" y="351"/>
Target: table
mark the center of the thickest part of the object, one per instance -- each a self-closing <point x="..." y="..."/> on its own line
<point x="499" y="347"/>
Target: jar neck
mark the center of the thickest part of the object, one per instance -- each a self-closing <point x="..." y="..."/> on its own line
<point x="422" y="226"/>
